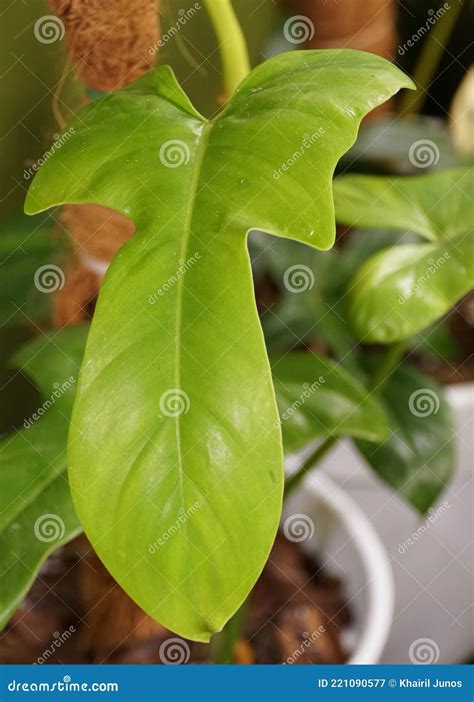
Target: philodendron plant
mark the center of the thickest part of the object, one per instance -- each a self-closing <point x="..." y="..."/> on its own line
<point x="175" y="448"/>
<point x="175" y="414"/>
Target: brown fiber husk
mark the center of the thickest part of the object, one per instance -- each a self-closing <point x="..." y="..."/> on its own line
<point x="95" y="233"/>
<point x="110" y="41"/>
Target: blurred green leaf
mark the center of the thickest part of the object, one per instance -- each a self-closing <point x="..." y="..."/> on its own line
<point x="36" y="510"/>
<point x="317" y="398"/>
<point x="436" y="205"/>
<point x="419" y="457"/>
<point x="26" y="244"/>
<point x="401" y="290"/>
<point x="437" y="341"/>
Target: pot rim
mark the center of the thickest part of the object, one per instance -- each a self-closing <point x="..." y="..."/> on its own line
<point x="376" y="565"/>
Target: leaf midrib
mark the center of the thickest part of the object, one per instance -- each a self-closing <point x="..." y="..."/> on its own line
<point x="193" y="193"/>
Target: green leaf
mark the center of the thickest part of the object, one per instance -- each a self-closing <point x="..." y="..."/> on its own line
<point x="419" y="457"/>
<point x="36" y="510"/>
<point x="352" y="255"/>
<point x="401" y="290"/>
<point x="435" y="206"/>
<point x="318" y="398"/>
<point x="175" y="457"/>
<point x="26" y="245"/>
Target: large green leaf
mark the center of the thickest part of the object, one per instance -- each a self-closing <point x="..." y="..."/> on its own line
<point x="175" y="457"/>
<point x="318" y="398"/>
<point x="418" y="458"/>
<point x="36" y="510"/>
<point x="402" y="290"/>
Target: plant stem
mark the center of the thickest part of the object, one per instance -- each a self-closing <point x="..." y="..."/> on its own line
<point x="308" y="464"/>
<point x="386" y="368"/>
<point x="223" y="643"/>
<point x="232" y="45"/>
<point x="428" y="60"/>
<point x="378" y="380"/>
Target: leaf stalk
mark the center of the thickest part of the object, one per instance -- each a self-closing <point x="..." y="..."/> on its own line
<point x="232" y="44"/>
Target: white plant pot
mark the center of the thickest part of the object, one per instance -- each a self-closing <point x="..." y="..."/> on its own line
<point x="432" y="560"/>
<point x="346" y="545"/>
